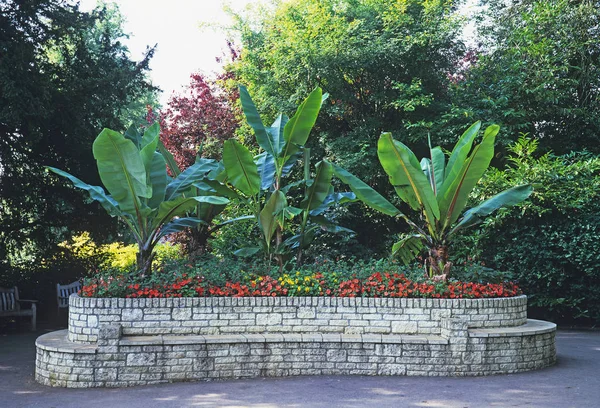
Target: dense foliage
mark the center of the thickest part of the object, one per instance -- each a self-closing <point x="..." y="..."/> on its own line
<point x="64" y="74"/>
<point x="548" y="243"/>
<point x="537" y="71"/>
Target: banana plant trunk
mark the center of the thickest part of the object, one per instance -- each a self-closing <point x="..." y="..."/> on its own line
<point x="437" y="264"/>
<point x="144" y="258"/>
<point x="197" y="244"/>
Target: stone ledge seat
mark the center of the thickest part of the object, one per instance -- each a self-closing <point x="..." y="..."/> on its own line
<point x="58" y="341"/>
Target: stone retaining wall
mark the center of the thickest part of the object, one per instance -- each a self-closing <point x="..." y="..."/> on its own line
<point x="199" y="316"/>
<point x="119" y="361"/>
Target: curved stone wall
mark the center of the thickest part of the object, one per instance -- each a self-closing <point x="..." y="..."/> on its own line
<point x="120" y="361"/>
<point x="212" y="316"/>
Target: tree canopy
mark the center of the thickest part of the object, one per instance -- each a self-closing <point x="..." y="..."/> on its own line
<point x="64" y="75"/>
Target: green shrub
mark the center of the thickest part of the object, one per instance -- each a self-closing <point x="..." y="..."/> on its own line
<point x="115" y="257"/>
<point x="549" y="243"/>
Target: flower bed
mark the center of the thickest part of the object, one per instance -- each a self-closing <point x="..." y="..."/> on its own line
<point x="393" y="285"/>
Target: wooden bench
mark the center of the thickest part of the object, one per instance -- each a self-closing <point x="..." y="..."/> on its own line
<point x="10" y="305"/>
<point x="64" y="291"/>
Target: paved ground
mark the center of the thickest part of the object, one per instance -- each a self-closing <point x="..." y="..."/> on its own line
<point x="573" y="382"/>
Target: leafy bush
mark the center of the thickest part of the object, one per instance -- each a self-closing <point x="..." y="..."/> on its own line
<point x="548" y="243"/>
<point x="116" y="257"/>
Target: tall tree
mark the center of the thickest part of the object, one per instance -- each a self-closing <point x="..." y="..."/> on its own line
<point x="538" y="72"/>
<point x="64" y="75"/>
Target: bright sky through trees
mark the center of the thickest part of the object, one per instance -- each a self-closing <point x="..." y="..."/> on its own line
<point x="183" y="47"/>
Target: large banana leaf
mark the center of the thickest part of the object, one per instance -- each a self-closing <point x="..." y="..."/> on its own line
<point x="253" y="118"/>
<point x="405" y="173"/>
<point x="240" y="167"/>
<point x="179" y="206"/>
<point x="459" y="154"/>
<point x="171" y="163"/>
<point x="506" y="198"/>
<point x="407" y="248"/>
<point x="132" y="134"/>
<point x="190" y="175"/>
<point x="268" y="216"/>
<point x="329" y="226"/>
<point x="298" y="128"/>
<point x="158" y="180"/>
<point x="178" y="225"/>
<point x="319" y="189"/>
<point x="455" y="196"/>
<point x="365" y="193"/>
<point x="266" y="170"/>
<point x="290" y="162"/>
<point x="434" y="168"/>
<point x="96" y="192"/>
<point x="213" y="187"/>
<point x="334" y="198"/>
<point x="121" y="170"/>
<point x="149" y="144"/>
<point x="276" y="132"/>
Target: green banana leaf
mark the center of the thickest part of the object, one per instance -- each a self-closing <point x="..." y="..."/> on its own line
<point x="276" y="131"/>
<point x="241" y="170"/>
<point x="158" y="179"/>
<point x="266" y="170"/>
<point x="178" y="225"/>
<point x="121" y="170"/>
<point x="365" y="193"/>
<point x="455" y="196"/>
<point x="171" y="163"/>
<point x="506" y="198"/>
<point x="96" y="193"/>
<point x="132" y="134"/>
<point x="334" y="198"/>
<point x="407" y="248"/>
<point x="263" y="138"/>
<point x="297" y="129"/>
<point x="195" y="172"/>
<point x="268" y="216"/>
<point x="179" y="206"/>
<point x="149" y="145"/>
<point x="434" y="167"/>
<point x="329" y="226"/>
<point x="319" y="189"/>
<point x="459" y="154"/>
<point x="405" y="174"/>
<point x="213" y="187"/>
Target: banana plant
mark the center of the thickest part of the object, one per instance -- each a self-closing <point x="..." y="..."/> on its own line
<point x="140" y="192"/>
<point x="439" y="191"/>
<point x="263" y="184"/>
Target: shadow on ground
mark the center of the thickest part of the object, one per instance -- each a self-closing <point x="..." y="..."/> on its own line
<point x="573" y="382"/>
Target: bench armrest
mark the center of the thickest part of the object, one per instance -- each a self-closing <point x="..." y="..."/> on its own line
<point x="28" y="300"/>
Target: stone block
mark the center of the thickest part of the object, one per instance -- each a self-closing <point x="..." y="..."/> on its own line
<point x="141" y="359"/>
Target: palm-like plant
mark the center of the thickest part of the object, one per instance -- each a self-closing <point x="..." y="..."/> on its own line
<point x="440" y="191"/>
<point x="140" y="191"/>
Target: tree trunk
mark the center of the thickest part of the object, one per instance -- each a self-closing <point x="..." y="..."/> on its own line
<point x="438" y="266"/>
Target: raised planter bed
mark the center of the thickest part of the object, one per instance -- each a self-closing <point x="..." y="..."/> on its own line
<point x="126" y="342"/>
